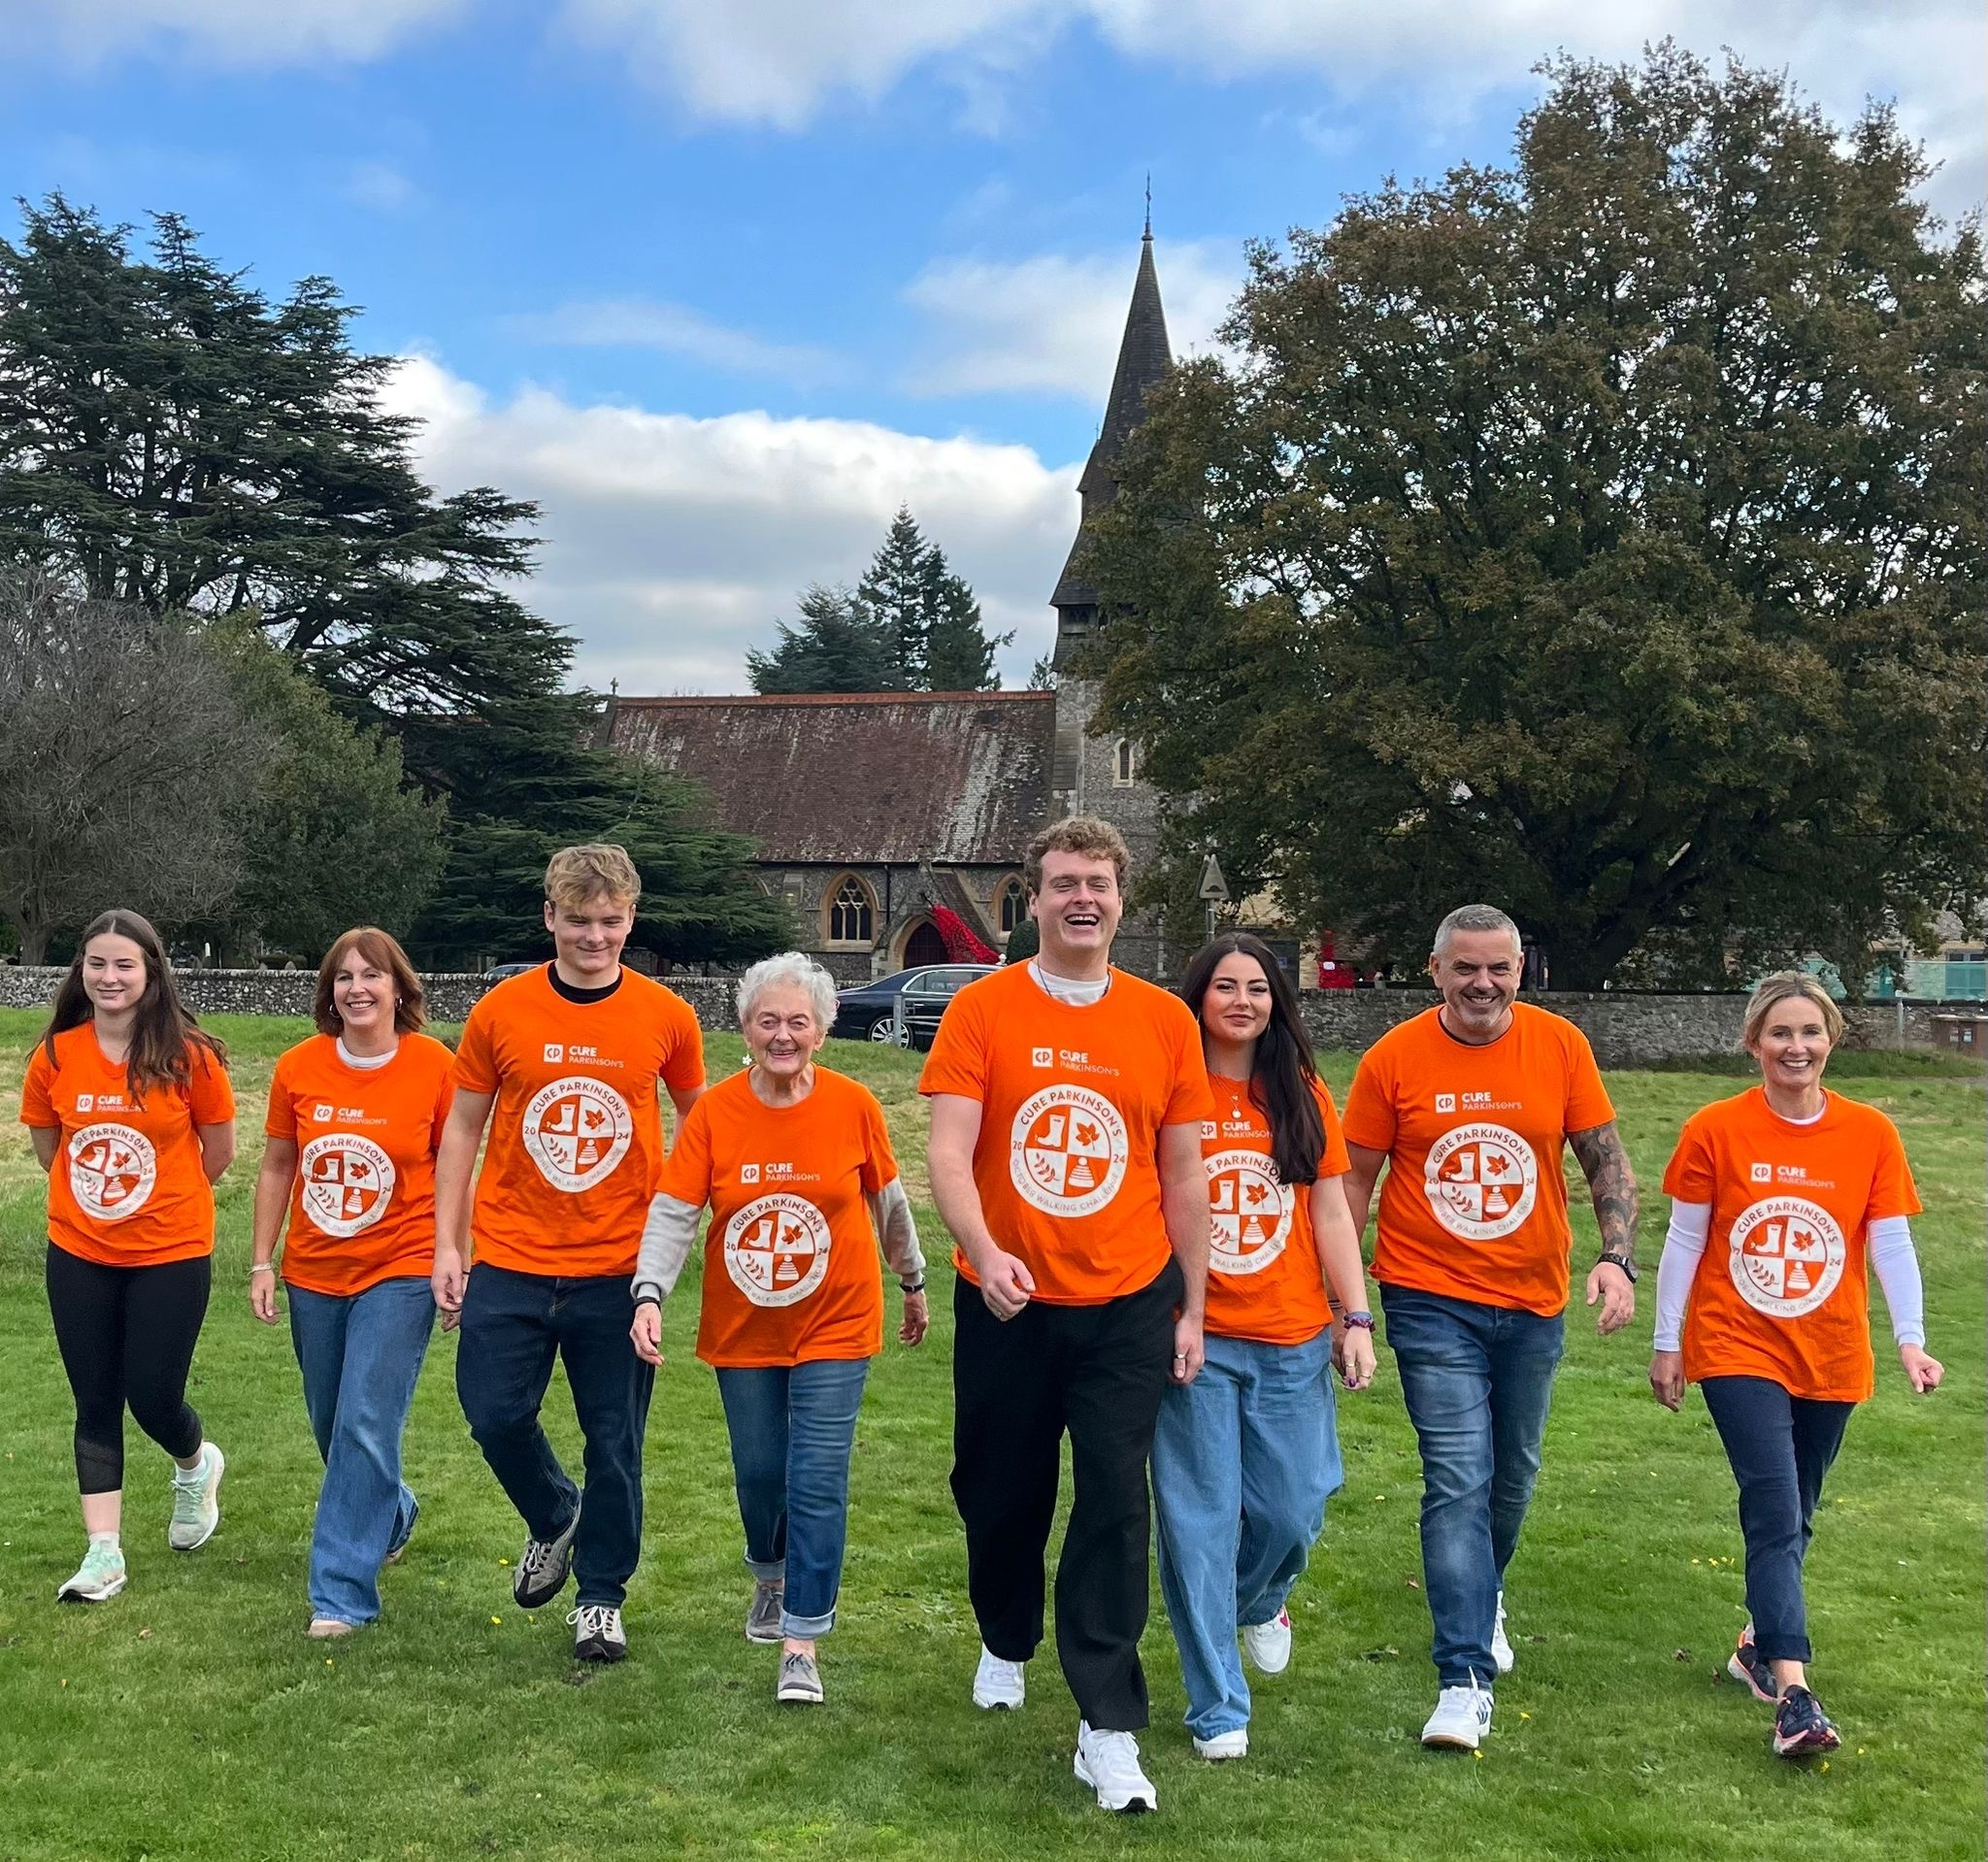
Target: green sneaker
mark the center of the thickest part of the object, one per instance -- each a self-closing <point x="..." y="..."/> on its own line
<point x="196" y="1506"/>
<point x="98" y="1578"/>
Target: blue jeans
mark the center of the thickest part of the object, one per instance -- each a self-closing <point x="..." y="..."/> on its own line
<point x="792" y="1431"/>
<point x="1779" y="1447"/>
<point x="1477" y="1381"/>
<point x="1244" y="1459"/>
<point x="361" y="1356"/>
<point x="514" y="1325"/>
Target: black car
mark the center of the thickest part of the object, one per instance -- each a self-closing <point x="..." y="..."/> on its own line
<point x="901" y="1009"/>
<point x="501" y="972"/>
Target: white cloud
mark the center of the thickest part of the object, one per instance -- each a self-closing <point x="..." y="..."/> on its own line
<point x="379" y="185"/>
<point x="781" y="61"/>
<point x="245" y="33"/>
<point x="675" y="330"/>
<point x="672" y="543"/>
<point x="1050" y="324"/>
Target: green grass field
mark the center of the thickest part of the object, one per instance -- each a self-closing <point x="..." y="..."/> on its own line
<point x="190" y="1718"/>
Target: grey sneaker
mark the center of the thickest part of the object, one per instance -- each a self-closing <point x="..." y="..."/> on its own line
<point x="800" y="1679"/>
<point x="597" y="1634"/>
<point x="98" y="1578"/>
<point x="542" y="1566"/>
<point x="196" y="1501"/>
<point x="763" y="1620"/>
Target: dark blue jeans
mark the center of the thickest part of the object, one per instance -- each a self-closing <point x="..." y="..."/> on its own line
<point x="513" y="1327"/>
<point x="1477" y="1381"/>
<point x="1780" y="1447"/>
<point x="792" y="1431"/>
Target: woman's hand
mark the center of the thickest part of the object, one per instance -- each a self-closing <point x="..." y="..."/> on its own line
<point x="1924" y="1372"/>
<point x="262" y="1293"/>
<point x="917" y="1319"/>
<point x="1353" y="1354"/>
<point x="648" y="1332"/>
<point x="1667" y="1377"/>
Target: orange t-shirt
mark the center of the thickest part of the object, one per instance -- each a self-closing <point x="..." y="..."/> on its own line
<point x="1473" y="1206"/>
<point x="1264" y="1278"/>
<point x="576" y="1135"/>
<point x="1783" y="1289"/>
<point x="362" y="1209"/>
<point x="1071" y="1102"/>
<point x="791" y="1272"/>
<point x="127" y="1189"/>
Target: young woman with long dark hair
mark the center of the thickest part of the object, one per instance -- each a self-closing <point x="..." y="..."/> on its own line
<point x="132" y="1116"/>
<point x="1246" y="1456"/>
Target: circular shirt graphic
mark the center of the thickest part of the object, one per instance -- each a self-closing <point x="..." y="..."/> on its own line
<point x="777" y="1249"/>
<point x="1787" y="1257"/>
<point x="348" y="1182"/>
<point x="1482" y="1181"/>
<point x="577" y="1130"/>
<point x="112" y="1170"/>
<point x="1068" y="1151"/>
<point x="1252" y="1212"/>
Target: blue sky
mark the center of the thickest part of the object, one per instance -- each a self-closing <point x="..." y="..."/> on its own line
<point x="722" y="284"/>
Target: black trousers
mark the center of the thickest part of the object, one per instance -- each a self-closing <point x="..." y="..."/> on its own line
<point x="1780" y="1447"/>
<point x="1097" y="1372"/>
<point x="126" y="1334"/>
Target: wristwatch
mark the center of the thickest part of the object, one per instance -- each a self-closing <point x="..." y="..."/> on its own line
<point x="1622" y="1261"/>
<point x="912" y="1286"/>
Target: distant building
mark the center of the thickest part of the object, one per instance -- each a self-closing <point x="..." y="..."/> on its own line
<point x="887" y="819"/>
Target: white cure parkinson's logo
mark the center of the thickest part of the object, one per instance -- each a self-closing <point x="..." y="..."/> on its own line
<point x="348" y="1182"/>
<point x="1068" y="1151"/>
<point x="577" y="1130"/>
<point x="1252" y="1212"/>
<point x="1786" y="1257"/>
<point x="112" y="1170"/>
<point x="1482" y="1181"/>
<point x="777" y="1248"/>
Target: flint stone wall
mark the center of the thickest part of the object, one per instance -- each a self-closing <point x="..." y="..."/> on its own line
<point x="1626" y="1030"/>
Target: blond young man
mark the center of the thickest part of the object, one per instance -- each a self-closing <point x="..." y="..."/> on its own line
<point x="567" y="1057"/>
<point x="1068" y="1100"/>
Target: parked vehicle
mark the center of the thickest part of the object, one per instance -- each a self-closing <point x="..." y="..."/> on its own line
<point x="903" y="1009"/>
<point x="498" y="972"/>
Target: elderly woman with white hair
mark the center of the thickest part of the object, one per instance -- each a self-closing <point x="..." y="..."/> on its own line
<point x="795" y="1164"/>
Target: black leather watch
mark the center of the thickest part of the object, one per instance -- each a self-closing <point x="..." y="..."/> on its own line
<point x="1623" y="1262"/>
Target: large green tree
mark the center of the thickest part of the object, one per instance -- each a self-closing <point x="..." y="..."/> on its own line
<point x="1602" y="535"/>
<point x="837" y="646"/>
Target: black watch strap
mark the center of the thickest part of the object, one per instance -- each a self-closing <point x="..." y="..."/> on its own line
<point x="1622" y="1261"/>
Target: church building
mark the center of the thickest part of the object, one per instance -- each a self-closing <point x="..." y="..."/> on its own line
<point x="894" y="822"/>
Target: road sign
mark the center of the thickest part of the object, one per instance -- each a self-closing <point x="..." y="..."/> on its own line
<point x="1213" y="887"/>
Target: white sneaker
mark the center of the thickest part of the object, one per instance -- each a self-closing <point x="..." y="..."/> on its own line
<point x="99" y="1579"/>
<point x="998" y="1683"/>
<point x="1461" y="1719"/>
<point x="1501" y="1644"/>
<point x="1109" y="1763"/>
<point x="1234" y="1743"/>
<point x="196" y="1501"/>
<point x="1267" y="1645"/>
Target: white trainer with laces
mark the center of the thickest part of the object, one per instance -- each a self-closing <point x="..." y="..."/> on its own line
<point x="196" y="1501"/>
<point x="1267" y="1645"/>
<point x="1109" y="1763"/>
<point x="998" y="1685"/>
<point x="1500" y="1643"/>
<point x="1461" y="1719"/>
<point x="1234" y="1743"/>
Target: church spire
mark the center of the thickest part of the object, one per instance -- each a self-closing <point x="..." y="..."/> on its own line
<point x="1144" y="358"/>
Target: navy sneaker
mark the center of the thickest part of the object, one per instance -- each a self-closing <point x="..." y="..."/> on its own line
<point x="1749" y="1667"/>
<point x="1801" y="1727"/>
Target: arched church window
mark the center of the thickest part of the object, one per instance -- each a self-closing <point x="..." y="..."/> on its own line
<point x="852" y="911"/>
<point x="1121" y="763"/>
<point x="1011" y="906"/>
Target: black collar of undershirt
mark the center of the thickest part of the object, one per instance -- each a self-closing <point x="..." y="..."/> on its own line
<point x="567" y="992"/>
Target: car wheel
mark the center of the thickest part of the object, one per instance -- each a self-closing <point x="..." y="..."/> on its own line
<point x="890" y="1031"/>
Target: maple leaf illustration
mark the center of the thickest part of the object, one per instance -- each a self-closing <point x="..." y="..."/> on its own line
<point x="1086" y="1134"/>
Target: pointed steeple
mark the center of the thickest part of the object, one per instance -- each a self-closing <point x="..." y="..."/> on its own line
<point x="1144" y="358"/>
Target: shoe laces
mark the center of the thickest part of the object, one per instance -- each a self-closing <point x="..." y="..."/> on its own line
<point x="99" y="1561"/>
<point x="595" y="1619"/>
<point x="1471" y="1695"/>
<point x="1112" y="1751"/>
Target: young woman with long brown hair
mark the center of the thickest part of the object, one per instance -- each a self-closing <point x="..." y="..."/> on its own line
<point x="129" y="1106"/>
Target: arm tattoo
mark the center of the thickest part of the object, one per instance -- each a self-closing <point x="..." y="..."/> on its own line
<point x="1611" y="1183"/>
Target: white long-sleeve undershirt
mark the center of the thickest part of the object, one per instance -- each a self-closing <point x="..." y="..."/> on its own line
<point x="1888" y="1239"/>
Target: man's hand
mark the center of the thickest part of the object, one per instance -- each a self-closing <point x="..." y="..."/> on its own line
<point x="646" y="1332"/>
<point x="1006" y="1282"/>
<point x="1667" y="1379"/>
<point x="449" y="1282"/>
<point x="1924" y="1372"/>
<point x="1616" y="1291"/>
<point x="1189" y="1351"/>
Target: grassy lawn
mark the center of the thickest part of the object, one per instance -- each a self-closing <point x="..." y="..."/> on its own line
<point x="190" y="1718"/>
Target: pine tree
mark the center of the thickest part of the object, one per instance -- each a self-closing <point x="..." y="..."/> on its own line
<point x="959" y="651"/>
<point x="839" y="647"/>
<point x="897" y="593"/>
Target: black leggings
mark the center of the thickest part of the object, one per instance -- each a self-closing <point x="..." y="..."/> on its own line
<point x="126" y="1334"/>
